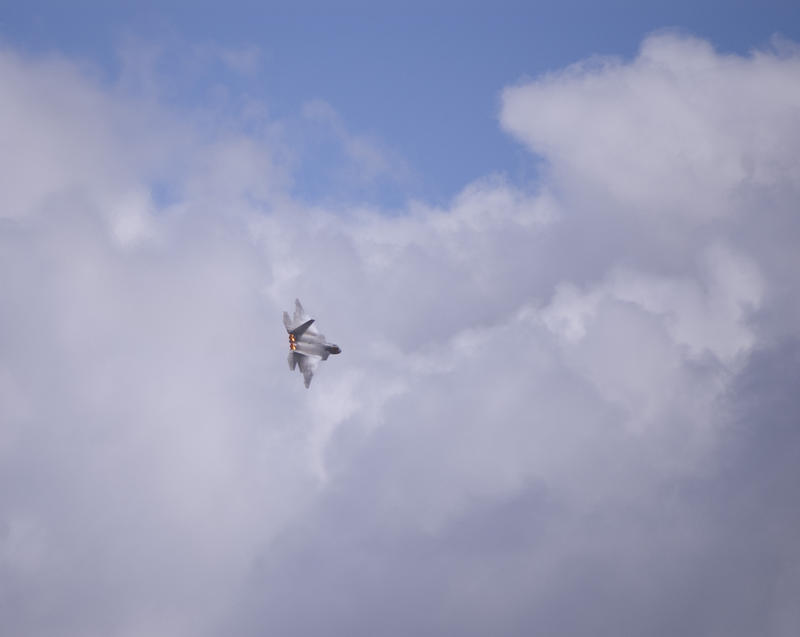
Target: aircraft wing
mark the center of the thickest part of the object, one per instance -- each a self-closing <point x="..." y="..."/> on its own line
<point x="308" y="364"/>
<point x="301" y="322"/>
<point x="302" y="329"/>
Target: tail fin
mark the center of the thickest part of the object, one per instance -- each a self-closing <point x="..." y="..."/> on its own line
<point x="287" y="321"/>
<point x="292" y="361"/>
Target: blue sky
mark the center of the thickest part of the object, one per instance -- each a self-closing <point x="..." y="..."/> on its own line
<point x="557" y="244"/>
<point x="421" y="80"/>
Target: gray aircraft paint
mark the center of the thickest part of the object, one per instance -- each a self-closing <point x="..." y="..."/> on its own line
<point x="307" y="346"/>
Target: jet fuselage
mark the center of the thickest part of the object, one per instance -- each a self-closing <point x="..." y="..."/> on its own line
<point x="312" y="345"/>
<point x="307" y="345"/>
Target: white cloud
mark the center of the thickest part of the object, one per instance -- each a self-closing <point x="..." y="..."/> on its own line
<point x="356" y="160"/>
<point x="679" y="131"/>
<point x="244" y="60"/>
<point x="706" y="314"/>
<point x="536" y="402"/>
<point x="50" y="147"/>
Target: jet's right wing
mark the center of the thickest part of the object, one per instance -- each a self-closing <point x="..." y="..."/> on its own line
<point x="308" y="364"/>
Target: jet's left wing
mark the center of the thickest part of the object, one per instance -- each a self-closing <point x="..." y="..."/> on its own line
<point x="302" y="329"/>
<point x="300" y="317"/>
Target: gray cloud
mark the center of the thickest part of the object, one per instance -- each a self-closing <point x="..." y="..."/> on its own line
<point x="565" y="407"/>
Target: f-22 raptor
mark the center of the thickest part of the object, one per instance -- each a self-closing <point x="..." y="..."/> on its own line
<point x="306" y="345"/>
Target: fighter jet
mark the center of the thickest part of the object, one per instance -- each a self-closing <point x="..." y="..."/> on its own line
<point x="306" y="345"/>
